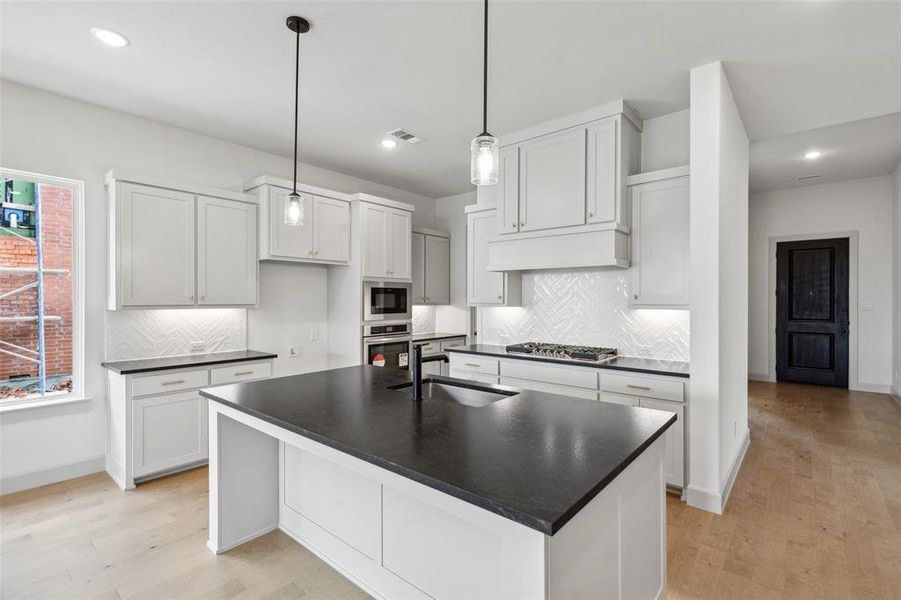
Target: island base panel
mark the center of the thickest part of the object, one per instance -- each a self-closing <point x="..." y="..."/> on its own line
<point x="397" y="538"/>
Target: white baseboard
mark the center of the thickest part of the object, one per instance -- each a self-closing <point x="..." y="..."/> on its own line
<point x="879" y="388"/>
<point x="736" y="465"/>
<point x="759" y="377"/>
<point x="46" y="476"/>
<point x="713" y="501"/>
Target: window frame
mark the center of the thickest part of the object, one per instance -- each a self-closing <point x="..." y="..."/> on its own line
<point x="78" y="304"/>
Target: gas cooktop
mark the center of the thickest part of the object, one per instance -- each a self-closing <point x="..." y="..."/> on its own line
<point x="564" y="351"/>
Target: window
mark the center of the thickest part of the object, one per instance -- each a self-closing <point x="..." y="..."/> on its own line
<point x="40" y="300"/>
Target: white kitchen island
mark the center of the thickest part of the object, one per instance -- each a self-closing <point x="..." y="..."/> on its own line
<point x="533" y="496"/>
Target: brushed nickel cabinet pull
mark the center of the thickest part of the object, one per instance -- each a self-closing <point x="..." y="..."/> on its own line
<point x="637" y="387"/>
<point x="243" y="373"/>
<point x="472" y="365"/>
<point x="173" y="382"/>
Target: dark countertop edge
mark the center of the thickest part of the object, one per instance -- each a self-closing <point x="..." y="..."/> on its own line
<point x="546" y="527"/>
<point x="116" y="367"/>
<point x="424" y="337"/>
<point x="577" y="363"/>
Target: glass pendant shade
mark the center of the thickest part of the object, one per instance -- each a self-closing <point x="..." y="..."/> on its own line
<point x="294" y="210"/>
<point x="484" y="160"/>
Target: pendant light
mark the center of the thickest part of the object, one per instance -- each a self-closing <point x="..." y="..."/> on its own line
<point x="294" y="206"/>
<point x="484" y="160"/>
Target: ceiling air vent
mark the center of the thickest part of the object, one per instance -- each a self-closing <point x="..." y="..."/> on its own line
<point x="807" y="177"/>
<point x="405" y="136"/>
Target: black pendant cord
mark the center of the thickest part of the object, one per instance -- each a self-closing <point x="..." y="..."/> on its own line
<point x="485" y="77"/>
<point x="296" y="105"/>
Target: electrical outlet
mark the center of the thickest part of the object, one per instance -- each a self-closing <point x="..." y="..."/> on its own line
<point x="643" y="350"/>
<point x="504" y="338"/>
<point x="314" y="334"/>
<point x="866" y="306"/>
<point x="293" y="351"/>
<point x="198" y="346"/>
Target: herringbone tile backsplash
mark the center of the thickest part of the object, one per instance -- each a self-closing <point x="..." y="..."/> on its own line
<point x="589" y="307"/>
<point x="132" y="334"/>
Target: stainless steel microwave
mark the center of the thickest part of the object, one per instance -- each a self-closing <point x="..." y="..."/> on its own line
<point x="387" y="301"/>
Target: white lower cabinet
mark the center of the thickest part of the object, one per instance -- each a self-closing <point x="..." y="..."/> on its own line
<point x="169" y="431"/>
<point x="674" y="458"/>
<point x="157" y="422"/>
<point x="551" y="388"/>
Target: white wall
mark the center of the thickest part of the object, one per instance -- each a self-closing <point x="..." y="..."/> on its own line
<point x="449" y="216"/>
<point x="896" y="278"/>
<point x="719" y="279"/>
<point x="665" y="141"/>
<point x="861" y="205"/>
<point x="50" y="134"/>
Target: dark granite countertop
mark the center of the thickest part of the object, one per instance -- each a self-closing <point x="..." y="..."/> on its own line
<point x="146" y="365"/>
<point x="653" y="366"/>
<point x="424" y="337"/>
<point x="535" y="458"/>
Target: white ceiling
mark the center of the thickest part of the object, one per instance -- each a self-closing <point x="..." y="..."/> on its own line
<point x="865" y="148"/>
<point x="225" y="68"/>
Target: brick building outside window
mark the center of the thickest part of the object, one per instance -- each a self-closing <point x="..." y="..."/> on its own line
<point x="36" y="210"/>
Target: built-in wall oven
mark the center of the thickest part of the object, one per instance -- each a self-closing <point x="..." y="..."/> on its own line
<point x="388" y="344"/>
<point x="387" y="301"/>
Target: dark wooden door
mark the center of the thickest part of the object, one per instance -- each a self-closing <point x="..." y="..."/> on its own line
<point x="812" y="312"/>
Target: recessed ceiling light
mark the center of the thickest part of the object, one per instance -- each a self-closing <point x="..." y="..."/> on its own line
<point x="109" y="37"/>
<point x="813" y="155"/>
<point x="388" y="144"/>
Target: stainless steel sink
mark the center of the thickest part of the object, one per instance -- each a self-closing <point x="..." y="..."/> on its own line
<point x="459" y="391"/>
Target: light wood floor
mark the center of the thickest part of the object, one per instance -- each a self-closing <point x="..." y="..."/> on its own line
<point x="815" y="513"/>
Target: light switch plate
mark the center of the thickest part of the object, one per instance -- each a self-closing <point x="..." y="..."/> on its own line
<point x="314" y="334"/>
<point x="198" y="346"/>
<point x="866" y="306"/>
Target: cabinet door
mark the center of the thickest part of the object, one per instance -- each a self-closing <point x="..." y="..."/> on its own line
<point x="674" y="459"/>
<point x="552" y="181"/>
<point x="226" y="252"/>
<point x="156" y="249"/>
<point x="374" y="219"/>
<point x="482" y="286"/>
<point x="602" y="180"/>
<point x="401" y="230"/>
<point x="437" y="270"/>
<point x="170" y="431"/>
<point x="331" y="229"/>
<point x="288" y="241"/>
<point x="507" y="198"/>
<point x="660" y="243"/>
<point x="418" y="260"/>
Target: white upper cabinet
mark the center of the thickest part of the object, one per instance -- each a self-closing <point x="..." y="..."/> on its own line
<point x="552" y="181"/>
<point x="226" y="252"/>
<point x="324" y="236"/>
<point x="387" y="238"/>
<point x="602" y="191"/>
<point x="153" y="246"/>
<point x="484" y="287"/>
<point x="507" y="190"/>
<point x="399" y="239"/>
<point x="660" y="242"/>
<point x="561" y="195"/>
<point x="331" y="229"/>
<point x="288" y="241"/>
<point x="155" y="226"/>
<point x="431" y="267"/>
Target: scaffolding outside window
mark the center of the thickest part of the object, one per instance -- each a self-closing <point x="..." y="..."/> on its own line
<point x="37" y="289"/>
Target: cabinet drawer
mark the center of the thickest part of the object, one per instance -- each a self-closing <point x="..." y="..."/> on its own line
<point x="583" y="377"/>
<point x="641" y="386"/>
<point x="169" y="382"/>
<point x="477" y="377"/>
<point x="433" y="347"/>
<point x="474" y="364"/>
<point x="240" y="372"/>
<point x="551" y="388"/>
<point x="619" y="399"/>
<point x="454" y="343"/>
